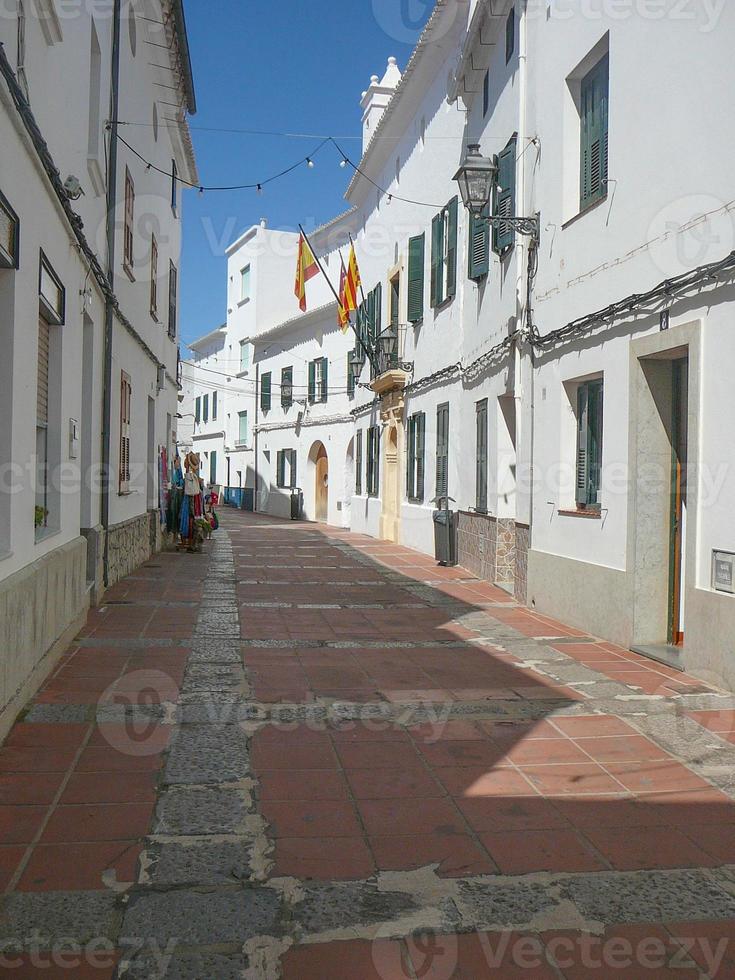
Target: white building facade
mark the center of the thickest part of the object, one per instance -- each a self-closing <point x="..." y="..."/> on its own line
<point x="89" y="259"/>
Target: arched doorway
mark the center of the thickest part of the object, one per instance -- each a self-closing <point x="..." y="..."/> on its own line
<point x="321" y="489"/>
<point x="390" y="517"/>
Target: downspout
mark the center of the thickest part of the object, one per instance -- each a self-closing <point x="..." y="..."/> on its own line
<point x="109" y="306"/>
<point x="257" y="418"/>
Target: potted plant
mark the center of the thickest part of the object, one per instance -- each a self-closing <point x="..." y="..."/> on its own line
<point x="40" y="516"/>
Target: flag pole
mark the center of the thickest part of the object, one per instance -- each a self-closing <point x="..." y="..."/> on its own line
<point x="368" y="353"/>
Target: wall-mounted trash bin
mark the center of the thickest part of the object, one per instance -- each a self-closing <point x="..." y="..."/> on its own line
<point x="445" y="537"/>
<point x="297" y="503"/>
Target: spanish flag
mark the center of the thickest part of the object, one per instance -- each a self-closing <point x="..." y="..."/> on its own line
<point x="343" y="313"/>
<point x="306" y="269"/>
<point x="352" y="282"/>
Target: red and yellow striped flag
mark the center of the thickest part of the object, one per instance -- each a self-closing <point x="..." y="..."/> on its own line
<point x="352" y="282"/>
<point x="306" y="269"/>
<point x="343" y="313"/>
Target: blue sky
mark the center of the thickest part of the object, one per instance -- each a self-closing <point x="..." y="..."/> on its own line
<point x="286" y="66"/>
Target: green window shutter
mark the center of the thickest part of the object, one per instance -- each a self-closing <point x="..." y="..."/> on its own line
<point x="411" y="458"/>
<point x="325" y="380"/>
<point x="437" y="259"/>
<point x="205" y="408"/>
<point x="377" y="311"/>
<point x="594" y="441"/>
<point x="293" y="468"/>
<point x="312" y="382"/>
<point x="198" y="410"/>
<point x="510" y="35"/>
<point x="265" y="392"/>
<point x="213" y="467"/>
<point x="505" y="197"/>
<point x="214" y="405"/>
<point x="350" y="375"/>
<point x="583" y="478"/>
<point x="594" y="130"/>
<point x="479" y="248"/>
<point x="279" y="468"/>
<point x="376" y="466"/>
<point x="416" y="250"/>
<point x="286" y="387"/>
<point x="358" y="463"/>
<point x="420" y="454"/>
<point x="452" y="235"/>
<point x="442" y="451"/>
<point x="481" y="479"/>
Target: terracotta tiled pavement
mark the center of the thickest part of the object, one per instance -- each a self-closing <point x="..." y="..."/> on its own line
<point x="306" y="754"/>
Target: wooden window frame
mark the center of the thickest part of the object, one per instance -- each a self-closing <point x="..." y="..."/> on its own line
<point x="266" y="389"/>
<point x="442" y="452"/>
<point x="594" y="121"/>
<point x="416" y="473"/>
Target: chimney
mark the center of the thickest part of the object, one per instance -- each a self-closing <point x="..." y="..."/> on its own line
<point x="375" y="101"/>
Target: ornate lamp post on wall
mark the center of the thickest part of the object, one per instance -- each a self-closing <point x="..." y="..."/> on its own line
<point x="477" y="178"/>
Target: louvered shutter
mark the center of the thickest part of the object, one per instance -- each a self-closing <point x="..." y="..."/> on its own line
<point x="325" y="380"/>
<point x="312" y="382"/>
<point x="437" y="259"/>
<point x="265" y="392"/>
<point x="452" y="237"/>
<point x="358" y="463"/>
<point x="505" y="198"/>
<point x="44" y="341"/>
<point x="293" y="468"/>
<point x="420" y="452"/>
<point x="350" y="375"/>
<point x="479" y="247"/>
<point x="481" y="478"/>
<point x="442" y="452"/>
<point x="594" y="128"/>
<point x="214" y="406"/>
<point x="376" y="464"/>
<point x="411" y="461"/>
<point x="125" y="413"/>
<point x="416" y="254"/>
<point x="377" y="312"/>
<point x="198" y="410"/>
<point x="582" y="446"/>
<point x="280" y="468"/>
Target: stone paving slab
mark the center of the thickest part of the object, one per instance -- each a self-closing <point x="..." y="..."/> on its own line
<point x="358" y="764"/>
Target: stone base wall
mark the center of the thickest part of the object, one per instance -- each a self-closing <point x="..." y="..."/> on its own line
<point x="495" y="549"/>
<point x="132" y="543"/>
<point x="477" y="544"/>
<point x="41" y="608"/>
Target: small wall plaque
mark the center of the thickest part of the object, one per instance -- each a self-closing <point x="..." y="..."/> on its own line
<point x="723" y="571"/>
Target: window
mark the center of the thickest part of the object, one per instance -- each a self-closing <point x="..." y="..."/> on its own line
<point x="213" y="467"/>
<point x="9" y="235"/>
<point x="395" y="301"/>
<point x="174" y="185"/>
<point x="415" y="479"/>
<point x="173" y="290"/>
<point x="154" y="277"/>
<point x="481" y="457"/>
<point x="214" y="406"/>
<point x="244" y="356"/>
<point x="505" y="198"/>
<point x="318" y="372"/>
<point x="486" y="93"/>
<point x="242" y="431"/>
<point x="589" y="443"/>
<point x="444" y="254"/>
<point x="44" y="343"/>
<point x="370" y="318"/>
<point x="265" y="392"/>
<point x="416" y="251"/>
<point x="245" y="284"/>
<point x="52" y="295"/>
<point x="198" y="411"/>
<point x="358" y="463"/>
<point x="510" y="35"/>
<point x="205" y="409"/>
<point x="594" y="129"/>
<point x="129" y="224"/>
<point x="286" y="468"/>
<point x="373" y="461"/>
<point x="442" y="452"/>
<point x="126" y="398"/>
<point x="479" y="247"/>
<point x="286" y="387"/>
<point x="21" y="49"/>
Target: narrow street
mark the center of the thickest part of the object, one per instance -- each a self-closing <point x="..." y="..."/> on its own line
<point x="309" y="754"/>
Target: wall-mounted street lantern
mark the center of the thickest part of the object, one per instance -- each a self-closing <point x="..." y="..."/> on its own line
<point x="477" y="178"/>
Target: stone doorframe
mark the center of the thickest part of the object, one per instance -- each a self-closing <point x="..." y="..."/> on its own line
<point x="649" y="466"/>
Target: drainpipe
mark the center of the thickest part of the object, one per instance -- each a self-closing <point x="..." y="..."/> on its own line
<point x="523" y="203"/>
<point x="109" y="310"/>
<point x="255" y="442"/>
